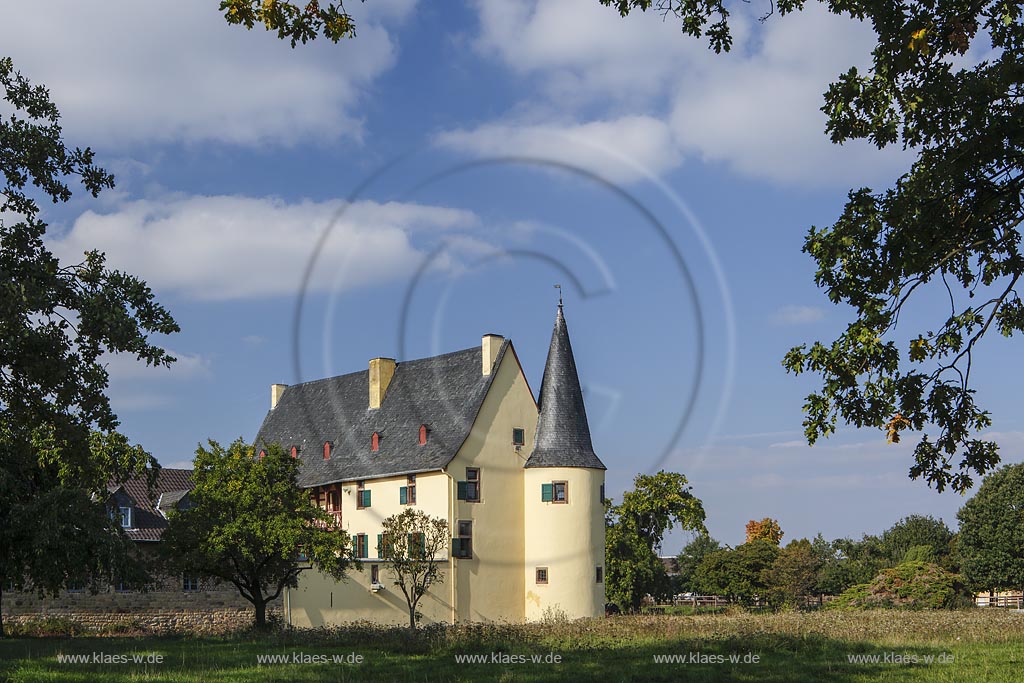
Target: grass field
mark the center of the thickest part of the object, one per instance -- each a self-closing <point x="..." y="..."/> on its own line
<point x="969" y="645"/>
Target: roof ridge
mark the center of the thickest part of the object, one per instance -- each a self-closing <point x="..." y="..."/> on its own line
<point x="397" y="363"/>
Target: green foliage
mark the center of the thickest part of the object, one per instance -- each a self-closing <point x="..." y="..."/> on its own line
<point x="918" y="530"/>
<point x="412" y="540"/>
<point x="248" y="523"/>
<point x="911" y="585"/>
<point x="767" y="529"/>
<point x="793" y="574"/>
<point x="948" y="227"/>
<point x="59" y="448"/>
<point x="293" y="22"/>
<point x="741" y="573"/>
<point x="634" y="532"/>
<point x="690" y="558"/>
<point x="991" y="540"/>
<point x="920" y="553"/>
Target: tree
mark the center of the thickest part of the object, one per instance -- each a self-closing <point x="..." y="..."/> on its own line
<point x="767" y="529"/>
<point x="739" y="573"/>
<point x="991" y="541"/>
<point x="918" y="531"/>
<point x="635" y="529"/>
<point x="690" y="558"/>
<point x="59" y="448"/>
<point x="949" y="227"/>
<point x="292" y="22"/>
<point x="849" y="562"/>
<point x="793" y="574"/>
<point x="249" y="523"/>
<point x="410" y="544"/>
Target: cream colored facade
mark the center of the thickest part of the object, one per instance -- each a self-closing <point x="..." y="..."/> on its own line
<point x="513" y="532"/>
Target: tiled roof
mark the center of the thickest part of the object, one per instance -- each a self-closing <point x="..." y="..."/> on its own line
<point x="563" y="434"/>
<point x="443" y="392"/>
<point x="147" y="522"/>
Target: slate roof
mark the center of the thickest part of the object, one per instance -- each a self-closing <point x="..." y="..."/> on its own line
<point x="147" y="522"/>
<point x="563" y="434"/>
<point x="443" y="392"/>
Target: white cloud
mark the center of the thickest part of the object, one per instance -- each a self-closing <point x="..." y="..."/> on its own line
<point x="797" y="315"/>
<point x="230" y="247"/>
<point x="123" y="72"/>
<point x="125" y="366"/>
<point x="755" y="111"/>
<point x="620" y="150"/>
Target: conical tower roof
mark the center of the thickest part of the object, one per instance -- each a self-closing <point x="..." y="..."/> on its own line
<point x="563" y="434"/>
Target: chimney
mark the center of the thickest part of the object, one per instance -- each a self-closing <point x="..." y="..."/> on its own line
<point x="489" y="347"/>
<point x="276" y="391"/>
<point x="381" y="372"/>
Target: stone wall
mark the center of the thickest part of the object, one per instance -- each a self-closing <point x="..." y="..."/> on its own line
<point x="212" y="609"/>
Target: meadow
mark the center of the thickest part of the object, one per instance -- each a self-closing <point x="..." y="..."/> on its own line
<point x="959" y="645"/>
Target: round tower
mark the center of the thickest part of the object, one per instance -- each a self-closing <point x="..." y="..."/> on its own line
<point x="563" y="497"/>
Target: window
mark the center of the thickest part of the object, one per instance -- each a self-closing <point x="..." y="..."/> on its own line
<point x="560" y="492"/>
<point x="333" y="504"/>
<point x="362" y="496"/>
<point x="125" y="514"/>
<point x="423" y="435"/>
<point x="374" y="573"/>
<point x="602" y="494"/>
<point x="190" y="584"/>
<point x="600" y="574"/>
<point x="407" y="493"/>
<point x="375" y="442"/>
<point x="416" y="546"/>
<point x="473" y="484"/>
<point x="462" y="545"/>
<point x="518" y="436"/>
<point x="295" y="451"/>
<point x="73" y="587"/>
<point x="121" y="586"/>
<point x="303" y="557"/>
<point x="542" y="575"/>
<point x="263" y="454"/>
<point x="327" y="450"/>
<point x="360" y="546"/>
<point x="382" y="541"/>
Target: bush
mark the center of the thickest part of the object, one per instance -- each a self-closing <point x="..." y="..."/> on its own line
<point x="44" y="627"/>
<point x="910" y="585"/>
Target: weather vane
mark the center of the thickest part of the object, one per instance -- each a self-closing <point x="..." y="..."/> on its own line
<point x="559" y="288"/>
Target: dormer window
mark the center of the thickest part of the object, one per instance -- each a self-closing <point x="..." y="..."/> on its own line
<point x="295" y="451"/>
<point x="423" y="435"/>
<point x="122" y="514"/>
<point x="375" y="442"/>
<point x="327" y="450"/>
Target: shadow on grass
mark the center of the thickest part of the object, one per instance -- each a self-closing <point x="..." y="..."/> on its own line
<point x="762" y="658"/>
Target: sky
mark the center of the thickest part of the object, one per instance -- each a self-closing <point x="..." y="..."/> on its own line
<point x="402" y="193"/>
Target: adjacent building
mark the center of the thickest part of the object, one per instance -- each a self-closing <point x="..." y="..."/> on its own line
<point x="461" y="437"/>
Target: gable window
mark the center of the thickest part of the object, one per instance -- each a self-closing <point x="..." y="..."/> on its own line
<point x="375" y="442"/>
<point x="362" y="496"/>
<point x="600" y="574"/>
<point x="423" y="435"/>
<point x="327" y="450"/>
<point x="462" y="544"/>
<point x="190" y="584"/>
<point x="555" y="492"/>
<point x="469" y="490"/>
<point x="518" y="436"/>
<point x="542" y="575"/>
<point x="360" y="546"/>
<point x="407" y="493"/>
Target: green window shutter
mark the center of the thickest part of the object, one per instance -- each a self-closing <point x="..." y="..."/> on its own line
<point x="366" y="499"/>
<point x="547" y="493"/>
<point x="355" y="546"/>
<point x="380" y="545"/>
<point x="462" y="486"/>
<point x="423" y="545"/>
<point x="456" y="547"/>
<point x="403" y="495"/>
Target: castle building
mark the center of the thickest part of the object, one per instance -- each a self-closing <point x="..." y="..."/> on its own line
<point x="460" y="437"/>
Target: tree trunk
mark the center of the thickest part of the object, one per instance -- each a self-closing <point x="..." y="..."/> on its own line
<point x="261" y="612"/>
<point x="412" y="617"/>
<point x="2" y="634"/>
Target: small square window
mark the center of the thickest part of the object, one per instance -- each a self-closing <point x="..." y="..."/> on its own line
<point x="472" y="485"/>
<point x="518" y="436"/>
<point x="542" y="575"/>
<point x="462" y="545"/>
<point x="190" y="584"/>
<point x="559" y="492"/>
<point x="600" y="575"/>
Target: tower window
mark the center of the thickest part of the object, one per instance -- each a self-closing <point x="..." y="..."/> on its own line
<point x="600" y="574"/>
<point x="423" y="435"/>
<point x="542" y="575"/>
<point x="375" y="442"/>
<point x="518" y="436"/>
<point x="559" y="492"/>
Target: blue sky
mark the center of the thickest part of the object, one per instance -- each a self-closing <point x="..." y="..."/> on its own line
<point x="437" y="175"/>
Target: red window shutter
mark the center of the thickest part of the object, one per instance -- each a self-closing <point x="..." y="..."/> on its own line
<point x="423" y="434"/>
<point x="263" y="454"/>
<point x="295" y="451"/>
<point x="375" y="442"/>
<point x="327" y="450"/>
